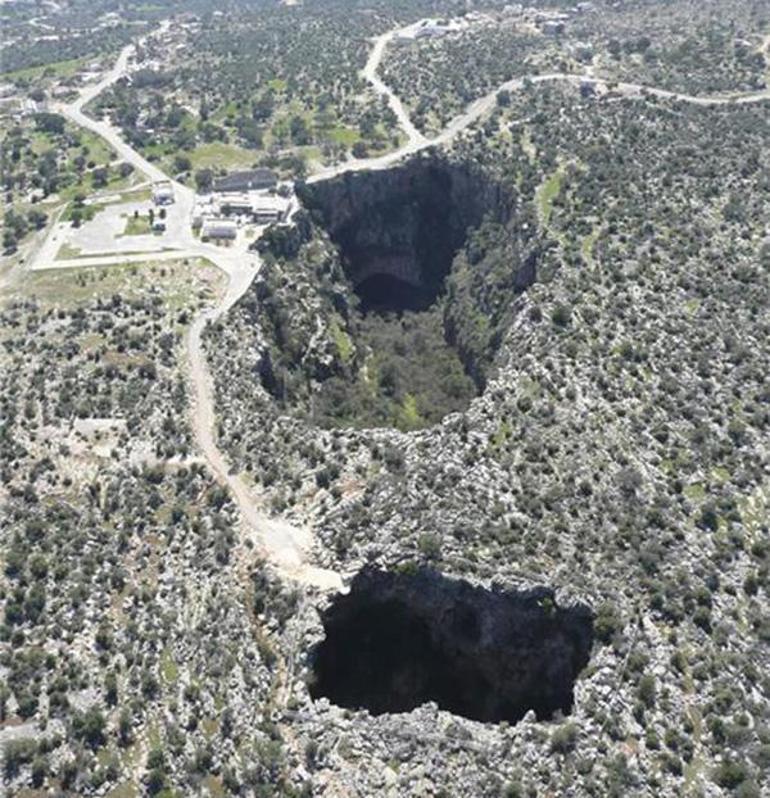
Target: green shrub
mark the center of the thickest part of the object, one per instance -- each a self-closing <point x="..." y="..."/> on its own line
<point x="564" y="739"/>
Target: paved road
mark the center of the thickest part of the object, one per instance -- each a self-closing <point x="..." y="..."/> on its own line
<point x="640" y="90"/>
<point x="485" y="104"/>
<point x="74" y="110"/>
<point x="178" y="234"/>
<point x="119" y="68"/>
<point x="286" y="546"/>
<point x="112" y="135"/>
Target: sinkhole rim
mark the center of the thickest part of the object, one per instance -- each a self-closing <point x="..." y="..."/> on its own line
<point x="406" y="356"/>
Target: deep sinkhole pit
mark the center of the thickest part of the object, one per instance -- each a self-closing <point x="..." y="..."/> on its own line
<point x="397" y="640"/>
<point x="398" y="230"/>
<point x="413" y="322"/>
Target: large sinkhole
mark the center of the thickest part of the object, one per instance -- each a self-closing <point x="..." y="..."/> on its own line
<point x="399" y="640"/>
<point x="398" y="230"/>
<point x="426" y="266"/>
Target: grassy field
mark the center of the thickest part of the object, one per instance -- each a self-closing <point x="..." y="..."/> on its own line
<point x="168" y="667"/>
<point x="95" y="151"/>
<point x="67" y="252"/>
<point x="136" y="195"/>
<point x="40" y="142"/>
<point x="98" y="150"/>
<point x="587" y="245"/>
<point x="137" y="226"/>
<point x="125" y="790"/>
<point x="176" y="280"/>
<point x="114" y="185"/>
<point x="219" y="154"/>
<point x="547" y="193"/>
<point x="344" y="135"/>
<point x="87" y="212"/>
<point x="60" y="69"/>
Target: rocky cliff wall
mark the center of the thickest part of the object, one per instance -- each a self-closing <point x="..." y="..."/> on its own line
<point x="407" y="222"/>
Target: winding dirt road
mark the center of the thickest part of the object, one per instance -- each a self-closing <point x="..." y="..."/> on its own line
<point x="370" y="74"/>
<point x="286" y="546"/>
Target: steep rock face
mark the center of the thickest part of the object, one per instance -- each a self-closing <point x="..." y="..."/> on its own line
<point x="404" y="224"/>
<point x="398" y="640"/>
<point x="386" y="303"/>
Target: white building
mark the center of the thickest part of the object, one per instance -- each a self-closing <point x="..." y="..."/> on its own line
<point x="269" y="209"/>
<point x="256" y="206"/>
<point x="219" y="230"/>
<point x="162" y="193"/>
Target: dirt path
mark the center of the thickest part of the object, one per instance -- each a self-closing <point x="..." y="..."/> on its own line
<point x="287" y="547"/>
<point x="112" y="260"/>
<point x="370" y="74"/>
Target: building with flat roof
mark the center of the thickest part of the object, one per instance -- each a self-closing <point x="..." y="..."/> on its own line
<point x="219" y="230"/>
<point x="250" y="180"/>
<point x="270" y="209"/>
<point x="234" y="202"/>
<point x="260" y="207"/>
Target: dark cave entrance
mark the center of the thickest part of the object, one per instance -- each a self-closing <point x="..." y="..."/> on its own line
<point x="384" y="293"/>
<point x="398" y="640"/>
<point x="398" y="230"/>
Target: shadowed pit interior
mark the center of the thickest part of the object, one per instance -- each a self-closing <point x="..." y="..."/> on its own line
<point x="398" y="640"/>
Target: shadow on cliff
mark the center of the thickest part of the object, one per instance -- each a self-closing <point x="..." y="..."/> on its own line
<point x="397" y="318"/>
<point x="399" y="640"/>
<point x="399" y="229"/>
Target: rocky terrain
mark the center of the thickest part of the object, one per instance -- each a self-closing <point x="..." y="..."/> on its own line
<point x="398" y="339"/>
<point x="510" y="391"/>
<point x="617" y="451"/>
<point x="713" y="47"/>
<point x="129" y="621"/>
